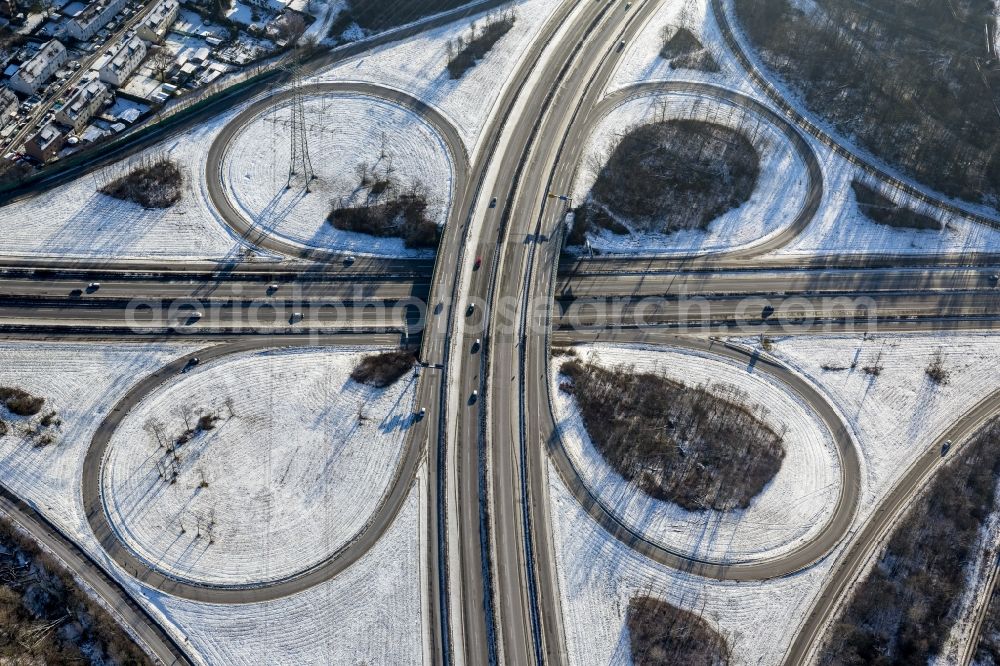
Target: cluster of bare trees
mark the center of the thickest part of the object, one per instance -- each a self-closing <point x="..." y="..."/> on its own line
<point x="936" y="370"/>
<point x="663" y="635"/>
<point x="46" y="619"/>
<point x="685" y="51"/>
<point x="155" y="181"/>
<point x="701" y="448"/>
<point x="882" y="210"/>
<point x="21" y="406"/>
<point x="903" y="611"/>
<point x="466" y="50"/>
<point x="671" y="175"/>
<point x="386" y="208"/>
<point x="168" y="466"/>
<point x="381" y="14"/>
<point x="914" y="81"/>
<point x="383" y="369"/>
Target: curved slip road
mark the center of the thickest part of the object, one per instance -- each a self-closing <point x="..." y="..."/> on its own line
<point x="797" y="559"/>
<point x="398" y="490"/>
<point x="248" y="230"/>
<point x="151" y="636"/>
<point x="867" y="542"/>
<point x="814" y="190"/>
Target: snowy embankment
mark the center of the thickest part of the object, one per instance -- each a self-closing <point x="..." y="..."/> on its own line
<point x="343" y="132"/>
<point x="372" y="612"/>
<point x="75" y="220"/>
<point x="417" y="66"/>
<point x="894" y="418"/>
<point x="793" y="507"/>
<point x="778" y="195"/>
<point x="297" y="463"/>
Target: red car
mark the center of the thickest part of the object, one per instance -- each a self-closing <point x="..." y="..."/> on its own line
<point x="479" y="262"/>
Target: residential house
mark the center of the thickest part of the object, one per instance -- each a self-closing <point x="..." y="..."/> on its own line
<point x="32" y="74"/>
<point x="123" y="59"/>
<point x="83" y="103"/>
<point x="93" y="18"/>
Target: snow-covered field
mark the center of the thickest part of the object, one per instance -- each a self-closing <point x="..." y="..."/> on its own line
<point x="294" y="468"/>
<point x="894" y="418"/>
<point x="791" y="508"/>
<point x="417" y="66"/>
<point x="343" y="131"/>
<point x="371" y="613"/>
<point x="74" y="220"/>
<point x="839" y="227"/>
<point x="642" y="62"/>
<point x="778" y="196"/>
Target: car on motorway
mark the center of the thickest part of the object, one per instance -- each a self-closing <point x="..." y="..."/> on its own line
<point x="93" y="286"/>
<point x="271" y="288"/>
<point x="474" y="397"/>
<point x="193" y="361"/>
<point x="476" y="345"/>
<point x="621" y="45"/>
<point x="945" y="447"/>
<point x="479" y="262"/>
<point x="295" y="318"/>
<point x="493" y="202"/>
<point x="422" y="413"/>
<point x="469" y="310"/>
<point x="349" y="259"/>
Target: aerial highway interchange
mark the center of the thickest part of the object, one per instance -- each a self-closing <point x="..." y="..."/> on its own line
<point x="501" y="285"/>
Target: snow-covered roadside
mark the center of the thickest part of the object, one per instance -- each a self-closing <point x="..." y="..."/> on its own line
<point x="894" y="418"/>
<point x="297" y="463"/>
<point x="642" y="62"/>
<point x="778" y="195"/>
<point x="344" y="131"/>
<point x="372" y="612"/>
<point x="792" y="507"/>
<point x="417" y="66"/>
<point x="74" y="220"/>
<point x="839" y="227"/>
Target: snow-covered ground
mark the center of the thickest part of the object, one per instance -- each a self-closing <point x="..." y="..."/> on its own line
<point x="417" y="66"/>
<point x="343" y="132"/>
<point x="788" y="512"/>
<point x="598" y="575"/>
<point x="894" y="418"/>
<point x="839" y="227"/>
<point x="778" y="195"/>
<point x="371" y="613"/>
<point x="642" y="62"/>
<point x="294" y="468"/>
<point x="74" y="220"/>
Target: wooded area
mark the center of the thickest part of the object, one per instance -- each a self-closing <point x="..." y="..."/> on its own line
<point x="663" y="635"/>
<point x="701" y="448"/>
<point x="672" y="175"/>
<point x="46" y="619"/>
<point x="913" y="81"/>
<point x="902" y="612"/>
